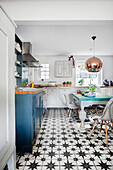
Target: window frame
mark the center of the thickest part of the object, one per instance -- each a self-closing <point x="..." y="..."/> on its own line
<point x="99" y="74"/>
<point x="45" y="71"/>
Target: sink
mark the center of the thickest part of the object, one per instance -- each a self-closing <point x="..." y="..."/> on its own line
<point x="40" y="87"/>
<point x="27" y="89"/>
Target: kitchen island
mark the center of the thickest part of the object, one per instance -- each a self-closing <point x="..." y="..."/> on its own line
<point x="29" y="111"/>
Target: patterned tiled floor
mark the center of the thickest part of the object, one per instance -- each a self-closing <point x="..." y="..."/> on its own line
<point x="61" y="146"/>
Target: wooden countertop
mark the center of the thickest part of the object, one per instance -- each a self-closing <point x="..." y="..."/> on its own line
<point x="106" y="86"/>
<point x="59" y="85"/>
<point x="72" y="86"/>
<point x="42" y="89"/>
<point x="30" y="92"/>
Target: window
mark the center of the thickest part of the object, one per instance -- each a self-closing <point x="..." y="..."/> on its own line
<point x="45" y="72"/>
<point x="88" y="77"/>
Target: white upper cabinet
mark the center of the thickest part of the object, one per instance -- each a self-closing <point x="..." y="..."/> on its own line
<point x="67" y="69"/>
<point x="63" y="69"/>
<point x="59" y="68"/>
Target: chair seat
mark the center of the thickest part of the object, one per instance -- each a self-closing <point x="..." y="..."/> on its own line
<point x="90" y="107"/>
<point x="99" y="106"/>
<point x="72" y="106"/>
<point x="95" y="116"/>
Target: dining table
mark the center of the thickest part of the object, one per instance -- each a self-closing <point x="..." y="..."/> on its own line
<point x="86" y="101"/>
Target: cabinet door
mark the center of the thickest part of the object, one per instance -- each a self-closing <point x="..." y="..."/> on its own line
<point x="59" y="69"/>
<point x="37" y="120"/>
<point x="52" y="97"/>
<point x="63" y="69"/>
<point x="34" y="116"/>
<point x="67" y="69"/>
<point x="7" y="104"/>
<point x="24" y="122"/>
<point x="44" y="101"/>
<point x="40" y="110"/>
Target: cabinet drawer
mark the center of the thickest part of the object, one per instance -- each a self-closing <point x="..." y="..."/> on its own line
<point x="33" y="128"/>
<point x="51" y="91"/>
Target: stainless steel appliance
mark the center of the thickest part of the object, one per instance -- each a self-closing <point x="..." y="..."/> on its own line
<point x="52" y="83"/>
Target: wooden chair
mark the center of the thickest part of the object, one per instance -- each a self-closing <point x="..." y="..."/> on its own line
<point x="98" y="107"/>
<point x="71" y="106"/>
<point x="106" y="116"/>
<point x="95" y="108"/>
<point x="89" y="108"/>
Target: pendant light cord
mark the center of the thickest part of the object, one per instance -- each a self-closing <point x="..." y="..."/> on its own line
<point x="93" y="48"/>
<point x="93" y="38"/>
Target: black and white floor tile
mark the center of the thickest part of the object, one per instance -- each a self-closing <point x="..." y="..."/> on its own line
<point x="60" y="146"/>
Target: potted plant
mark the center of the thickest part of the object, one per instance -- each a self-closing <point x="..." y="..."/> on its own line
<point x="70" y="83"/>
<point x="92" y="88"/>
<point x="81" y="82"/>
<point x="64" y="83"/>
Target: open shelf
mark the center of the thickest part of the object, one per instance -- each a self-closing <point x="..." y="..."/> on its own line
<point x="18" y="58"/>
<point x="18" y="52"/>
<point x="18" y="77"/>
<point x="24" y="65"/>
<point x="17" y="64"/>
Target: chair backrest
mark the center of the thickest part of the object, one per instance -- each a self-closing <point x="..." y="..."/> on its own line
<point x="66" y="97"/>
<point x="108" y="111"/>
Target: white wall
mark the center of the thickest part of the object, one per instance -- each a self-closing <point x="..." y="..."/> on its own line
<point x="51" y="60"/>
<point x="107" y="67"/>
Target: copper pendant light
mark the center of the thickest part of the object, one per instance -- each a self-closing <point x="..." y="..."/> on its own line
<point x="93" y="64"/>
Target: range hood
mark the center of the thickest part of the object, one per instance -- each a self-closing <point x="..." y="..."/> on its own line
<point x="27" y="57"/>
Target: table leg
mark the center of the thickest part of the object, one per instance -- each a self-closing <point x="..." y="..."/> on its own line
<point x="82" y="116"/>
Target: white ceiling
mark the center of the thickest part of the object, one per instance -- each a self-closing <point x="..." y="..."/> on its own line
<point x="66" y="39"/>
<point x="63" y="27"/>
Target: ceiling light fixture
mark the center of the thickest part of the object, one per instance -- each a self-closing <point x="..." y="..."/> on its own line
<point x="93" y="64"/>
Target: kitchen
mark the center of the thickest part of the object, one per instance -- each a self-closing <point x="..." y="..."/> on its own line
<point x="55" y="38"/>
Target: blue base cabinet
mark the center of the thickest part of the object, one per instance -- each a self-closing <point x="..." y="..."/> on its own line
<point x="29" y="114"/>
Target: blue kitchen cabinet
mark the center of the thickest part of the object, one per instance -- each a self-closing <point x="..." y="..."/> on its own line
<point x="29" y="110"/>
